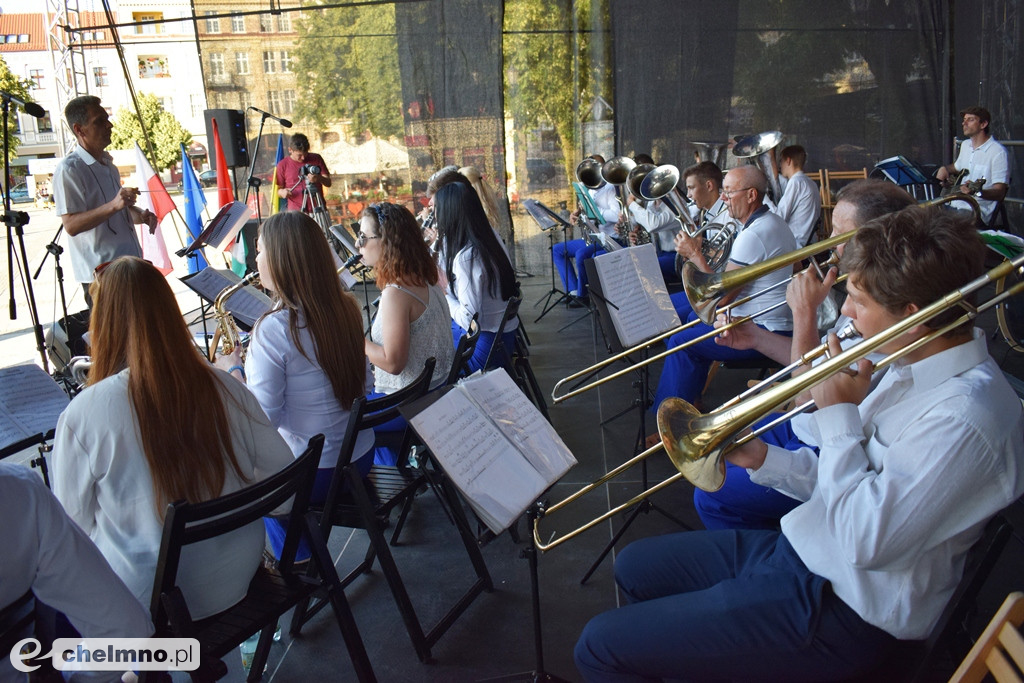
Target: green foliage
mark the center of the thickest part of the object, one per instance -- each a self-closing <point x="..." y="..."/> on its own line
<point x="347" y="68"/>
<point x="9" y="83"/>
<point x="164" y="129"/>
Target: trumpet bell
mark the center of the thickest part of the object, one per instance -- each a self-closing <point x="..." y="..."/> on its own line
<point x="756" y="144"/>
<point x="616" y="170"/>
<point x="676" y="425"/>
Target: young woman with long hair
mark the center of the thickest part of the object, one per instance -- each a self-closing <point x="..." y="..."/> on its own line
<point x="412" y="322"/>
<point x="158" y="424"/>
<point x="480" y="276"/>
<point x="305" y="363"/>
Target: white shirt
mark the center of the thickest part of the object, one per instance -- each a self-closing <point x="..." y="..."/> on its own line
<point x="608" y="203"/>
<point x="764" y="236"/>
<point x="295" y="392"/>
<point x="659" y="221"/>
<point x="472" y="295"/>
<point x="45" y="551"/>
<point x="989" y="161"/>
<point x="101" y="476"/>
<point x="800" y="207"/>
<point x="904" y="485"/>
<point x="81" y="183"/>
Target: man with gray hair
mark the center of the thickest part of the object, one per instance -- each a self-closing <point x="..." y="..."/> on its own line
<point x="98" y="214"/>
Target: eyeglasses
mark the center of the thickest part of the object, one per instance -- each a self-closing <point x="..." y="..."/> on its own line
<point x="362" y="239"/>
<point x="729" y="193"/>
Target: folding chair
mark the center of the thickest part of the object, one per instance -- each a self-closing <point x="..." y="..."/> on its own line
<point x="499" y="356"/>
<point x="16" y="620"/>
<point x="360" y="503"/>
<point x="464" y="352"/>
<point x="270" y="593"/>
<point x="999" y="649"/>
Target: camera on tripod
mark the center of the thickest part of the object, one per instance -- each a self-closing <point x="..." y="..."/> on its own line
<point x="308" y="169"/>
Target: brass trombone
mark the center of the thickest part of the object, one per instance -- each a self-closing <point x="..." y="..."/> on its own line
<point x="696" y="443"/>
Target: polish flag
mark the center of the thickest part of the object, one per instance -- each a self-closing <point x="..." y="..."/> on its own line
<point x="153" y="196"/>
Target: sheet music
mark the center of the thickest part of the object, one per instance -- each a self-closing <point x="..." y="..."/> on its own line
<point x="521" y="422"/>
<point x="481" y="461"/>
<point x="30" y="403"/>
<point x="634" y="287"/>
<point x="545" y="217"/>
<point x="247" y="305"/>
<point x="226" y="224"/>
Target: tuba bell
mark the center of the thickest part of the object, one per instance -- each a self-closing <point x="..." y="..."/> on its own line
<point x="715" y="152"/>
<point x="588" y="172"/>
<point x="760" y="149"/>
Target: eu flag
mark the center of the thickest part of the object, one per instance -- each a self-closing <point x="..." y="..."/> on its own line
<point x="195" y="202"/>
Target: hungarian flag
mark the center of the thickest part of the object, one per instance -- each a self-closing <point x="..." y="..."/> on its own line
<point x="277" y="203"/>
<point x="195" y="202"/>
<point x="153" y="196"/>
<point x="226" y="195"/>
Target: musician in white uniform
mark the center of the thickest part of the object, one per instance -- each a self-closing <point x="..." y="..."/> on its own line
<point x="983" y="158"/>
<point x="704" y="189"/>
<point x="800" y="205"/>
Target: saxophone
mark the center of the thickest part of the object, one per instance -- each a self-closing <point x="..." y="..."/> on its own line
<point x="227" y="331"/>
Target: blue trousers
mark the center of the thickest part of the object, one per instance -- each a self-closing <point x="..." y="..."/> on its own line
<point x="685" y="372"/>
<point x="742" y="504"/>
<point x="565" y="254"/>
<point x="681" y="304"/>
<point x="667" y="263"/>
<point x="725" y="605"/>
<point x="483" y="346"/>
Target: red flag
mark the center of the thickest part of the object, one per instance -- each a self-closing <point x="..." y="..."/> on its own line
<point x="225" y="191"/>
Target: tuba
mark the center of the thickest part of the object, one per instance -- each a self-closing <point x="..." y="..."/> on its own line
<point x="616" y="172"/>
<point x="760" y="149"/>
<point x="715" y="152"/>
<point x="588" y="172"/>
<point x="227" y="332"/>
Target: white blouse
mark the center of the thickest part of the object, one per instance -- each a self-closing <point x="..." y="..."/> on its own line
<point x="471" y="294"/>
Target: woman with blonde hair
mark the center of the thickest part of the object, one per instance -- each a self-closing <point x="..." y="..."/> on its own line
<point x="158" y="424"/>
<point x="305" y="363"/>
<point x="488" y="199"/>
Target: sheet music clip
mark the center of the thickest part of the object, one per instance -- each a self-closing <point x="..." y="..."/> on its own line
<point x="902" y="171"/>
<point x="221" y="229"/>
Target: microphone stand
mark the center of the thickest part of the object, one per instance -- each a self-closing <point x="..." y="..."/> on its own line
<point x="16" y="222"/>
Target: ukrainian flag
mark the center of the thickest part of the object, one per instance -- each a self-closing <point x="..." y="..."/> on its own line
<point x="276" y="203"/>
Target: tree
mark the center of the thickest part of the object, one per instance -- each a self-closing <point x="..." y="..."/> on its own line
<point x="164" y="130"/>
<point x="19" y="87"/>
<point x="347" y="66"/>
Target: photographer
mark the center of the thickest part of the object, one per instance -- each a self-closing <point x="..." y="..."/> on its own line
<point x="296" y="170"/>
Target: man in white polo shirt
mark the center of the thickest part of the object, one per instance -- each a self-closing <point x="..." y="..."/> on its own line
<point x="983" y="158"/>
<point x="98" y="214"/>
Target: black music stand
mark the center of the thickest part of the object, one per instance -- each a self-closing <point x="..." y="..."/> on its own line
<point x="641" y="402"/>
<point x="245" y="306"/>
<point x="549" y="221"/>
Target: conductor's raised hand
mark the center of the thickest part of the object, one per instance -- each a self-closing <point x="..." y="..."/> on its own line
<point x="844" y="386"/>
<point x="125" y="198"/>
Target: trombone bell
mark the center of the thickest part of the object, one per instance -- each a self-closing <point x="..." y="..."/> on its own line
<point x="676" y="425"/>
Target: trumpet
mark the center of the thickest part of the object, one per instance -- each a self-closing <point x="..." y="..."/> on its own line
<point x="227" y="331"/>
<point x="696" y="443"/>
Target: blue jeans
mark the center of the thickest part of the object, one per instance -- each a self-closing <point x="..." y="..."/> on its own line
<point x="564" y="254"/>
<point x="686" y="372"/>
<point x="725" y="605"/>
<point x="742" y="504"/>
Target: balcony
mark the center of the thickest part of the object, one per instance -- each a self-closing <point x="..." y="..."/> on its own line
<point x="33" y="138"/>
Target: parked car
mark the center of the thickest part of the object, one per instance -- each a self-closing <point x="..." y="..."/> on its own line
<point x="20" y="195"/>
<point x="208" y="178"/>
<point x="540" y="170"/>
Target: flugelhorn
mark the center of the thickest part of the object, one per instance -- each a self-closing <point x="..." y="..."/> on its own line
<point x="696" y="443"/>
<point x="227" y="332"/>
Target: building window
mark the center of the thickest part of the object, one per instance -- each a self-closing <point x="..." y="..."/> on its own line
<point x="212" y="25"/>
<point x="44" y="124"/>
<point x="242" y="63"/>
<point x="196" y="102"/>
<point x="216" y="64"/>
<point x="284" y="22"/>
<point x="12" y="38"/>
<point x="244" y="100"/>
<point x="266" y="23"/>
<point x="153" y="66"/>
<point x="22" y="37"/>
<point x="148" y="28"/>
<point x="288" y="101"/>
<point x="274" y="102"/>
<point x="286" y="62"/>
<point x="269" y="65"/>
<point x="237" y="24"/>
<point x="36" y="76"/>
<point x="99" y="76"/>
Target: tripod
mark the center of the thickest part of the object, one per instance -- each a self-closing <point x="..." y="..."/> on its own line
<point x="16" y="222"/>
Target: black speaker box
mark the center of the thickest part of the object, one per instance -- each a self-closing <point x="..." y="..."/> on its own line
<point x="231" y="127"/>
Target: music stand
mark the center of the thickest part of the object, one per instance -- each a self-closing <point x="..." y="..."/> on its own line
<point x="905" y="173"/>
<point x="549" y="221"/>
<point x="641" y="402"/>
<point x="246" y="306"/>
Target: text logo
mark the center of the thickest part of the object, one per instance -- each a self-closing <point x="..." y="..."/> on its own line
<point x="110" y="654"/>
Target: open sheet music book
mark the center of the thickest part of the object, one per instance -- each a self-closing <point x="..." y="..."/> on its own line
<point x="638" y="301"/>
<point x="223" y="227"/>
<point x="246" y="306"/>
<point x="30" y="403"/>
<point x="495" y="446"/>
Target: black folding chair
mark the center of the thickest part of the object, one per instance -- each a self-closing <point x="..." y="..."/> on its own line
<point x="359" y="503"/>
<point x="464" y="352"/>
<point x="271" y="593"/>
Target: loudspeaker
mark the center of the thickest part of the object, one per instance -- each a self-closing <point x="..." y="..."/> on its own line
<point x="231" y="126"/>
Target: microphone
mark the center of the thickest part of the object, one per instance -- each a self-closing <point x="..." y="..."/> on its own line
<point x="352" y="260"/>
<point x="30" y="108"/>
<point x="267" y="115"/>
